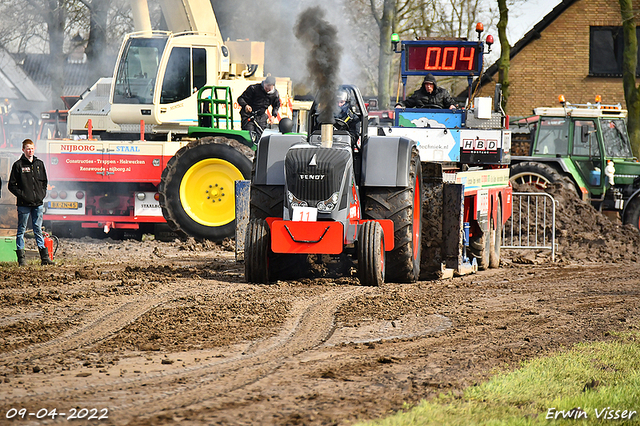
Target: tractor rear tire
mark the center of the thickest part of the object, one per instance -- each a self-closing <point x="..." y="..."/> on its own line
<point x="632" y="213"/>
<point x="266" y="201"/>
<point x="496" y="237"/>
<point x="256" y="252"/>
<point x="197" y="193"/>
<point x="404" y="207"/>
<point x="538" y="175"/>
<point x="371" y="264"/>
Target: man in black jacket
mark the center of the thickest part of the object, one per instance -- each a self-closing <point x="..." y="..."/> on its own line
<point x="254" y="102"/>
<point x="429" y="96"/>
<point x="28" y="182"/>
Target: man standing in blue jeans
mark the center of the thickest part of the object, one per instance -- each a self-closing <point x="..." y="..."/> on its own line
<point x="28" y="182"/>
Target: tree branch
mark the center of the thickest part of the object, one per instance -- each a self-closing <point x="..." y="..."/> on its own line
<point x="374" y="13"/>
<point x="87" y="4"/>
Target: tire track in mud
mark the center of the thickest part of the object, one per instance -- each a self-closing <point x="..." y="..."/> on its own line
<point x="310" y="324"/>
<point x="100" y="326"/>
<point x="520" y="303"/>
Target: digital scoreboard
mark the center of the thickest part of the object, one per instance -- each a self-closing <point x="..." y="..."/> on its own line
<point x="442" y="57"/>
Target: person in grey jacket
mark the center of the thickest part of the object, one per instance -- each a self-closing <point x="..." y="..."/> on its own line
<point x="429" y="96"/>
<point x="28" y="182"/>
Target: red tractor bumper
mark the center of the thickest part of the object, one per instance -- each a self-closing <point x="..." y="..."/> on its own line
<point x="325" y="237"/>
<point x="307" y="237"/>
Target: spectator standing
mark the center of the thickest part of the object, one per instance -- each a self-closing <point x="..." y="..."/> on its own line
<point x="28" y="182"/>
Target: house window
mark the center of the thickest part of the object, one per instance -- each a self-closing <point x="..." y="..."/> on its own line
<point x="606" y="45"/>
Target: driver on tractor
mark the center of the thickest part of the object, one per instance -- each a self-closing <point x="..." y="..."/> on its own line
<point x="345" y="114"/>
<point x="429" y="96"/>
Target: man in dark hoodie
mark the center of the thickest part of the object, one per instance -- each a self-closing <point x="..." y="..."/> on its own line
<point x="429" y="96"/>
<point x="28" y="182"/>
<point x="255" y="100"/>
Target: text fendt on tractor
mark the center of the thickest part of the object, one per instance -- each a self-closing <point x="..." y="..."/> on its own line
<point x="136" y="155"/>
<point x="427" y="195"/>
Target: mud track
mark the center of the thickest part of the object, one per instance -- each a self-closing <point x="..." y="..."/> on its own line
<point x="166" y="333"/>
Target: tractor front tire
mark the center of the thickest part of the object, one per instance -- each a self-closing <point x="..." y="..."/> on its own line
<point x="371" y="253"/>
<point x="480" y="249"/>
<point x="197" y="193"/>
<point x="404" y="207"/>
<point x="268" y="201"/>
<point x="256" y="252"/>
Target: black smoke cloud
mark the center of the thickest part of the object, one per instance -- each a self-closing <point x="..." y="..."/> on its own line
<point x="273" y="22"/>
<point x="320" y="39"/>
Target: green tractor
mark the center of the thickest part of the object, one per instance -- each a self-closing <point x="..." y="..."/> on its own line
<point x="585" y="144"/>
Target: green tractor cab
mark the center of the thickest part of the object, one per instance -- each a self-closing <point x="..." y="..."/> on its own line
<point x="586" y="143"/>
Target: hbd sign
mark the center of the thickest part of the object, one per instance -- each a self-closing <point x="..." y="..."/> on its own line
<point x="479" y="145"/>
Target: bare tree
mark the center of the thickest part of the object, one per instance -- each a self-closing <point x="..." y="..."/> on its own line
<point x="385" y="19"/>
<point x="505" y="52"/>
<point x="21" y="26"/>
<point x="457" y="18"/>
<point x="629" y="64"/>
<point x="60" y="17"/>
<point x="413" y="19"/>
<point x="50" y="27"/>
<point x="54" y="16"/>
<point x="97" y="43"/>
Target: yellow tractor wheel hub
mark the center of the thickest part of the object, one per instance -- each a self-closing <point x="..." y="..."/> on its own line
<point x="207" y="192"/>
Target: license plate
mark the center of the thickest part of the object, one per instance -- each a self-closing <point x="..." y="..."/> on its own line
<point x="63" y="205"/>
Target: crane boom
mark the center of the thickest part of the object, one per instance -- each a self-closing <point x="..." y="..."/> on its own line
<point x="190" y="15"/>
<point x="180" y="16"/>
<point x="141" y="19"/>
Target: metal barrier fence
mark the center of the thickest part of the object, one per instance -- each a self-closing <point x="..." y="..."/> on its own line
<point x="532" y="224"/>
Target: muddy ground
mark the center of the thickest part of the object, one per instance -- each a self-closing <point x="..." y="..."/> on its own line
<point x="152" y="333"/>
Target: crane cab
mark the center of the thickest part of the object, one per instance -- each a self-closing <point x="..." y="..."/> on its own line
<point x="158" y="75"/>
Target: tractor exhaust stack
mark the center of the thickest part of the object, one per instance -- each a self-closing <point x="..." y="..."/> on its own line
<point x="326" y="132"/>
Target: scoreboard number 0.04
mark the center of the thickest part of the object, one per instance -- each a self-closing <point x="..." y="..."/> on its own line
<point x="446" y="58"/>
<point x="442" y="58"/>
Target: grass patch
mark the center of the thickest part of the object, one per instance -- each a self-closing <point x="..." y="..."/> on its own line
<point x="598" y="381"/>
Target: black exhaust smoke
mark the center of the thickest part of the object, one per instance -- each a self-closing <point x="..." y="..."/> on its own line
<point x="323" y="60"/>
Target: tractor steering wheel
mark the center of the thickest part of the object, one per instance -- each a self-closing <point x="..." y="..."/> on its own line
<point x="340" y="124"/>
<point x="432" y="106"/>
